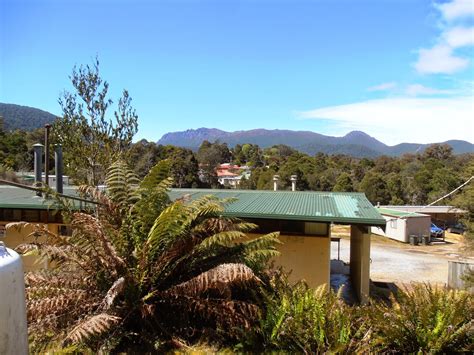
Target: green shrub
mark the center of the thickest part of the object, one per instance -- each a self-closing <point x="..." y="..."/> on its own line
<point x="424" y="318"/>
<point x="302" y="319"/>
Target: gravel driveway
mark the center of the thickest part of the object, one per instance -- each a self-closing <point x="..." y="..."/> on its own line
<point x="392" y="261"/>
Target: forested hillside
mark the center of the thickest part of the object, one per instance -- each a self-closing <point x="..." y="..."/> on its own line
<point x="355" y="143"/>
<point x="24" y="117"/>
<point x="410" y="179"/>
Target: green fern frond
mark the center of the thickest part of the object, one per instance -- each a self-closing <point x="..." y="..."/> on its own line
<point x="122" y="184"/>
<point x="226" y="238"/>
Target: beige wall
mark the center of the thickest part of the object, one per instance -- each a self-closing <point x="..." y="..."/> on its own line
<point x="16" y="236"/>
<point x="360" y="262"/>
<point x="306" y="256"/>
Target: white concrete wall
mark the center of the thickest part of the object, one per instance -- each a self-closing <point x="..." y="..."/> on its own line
<point x="13" y="329"/>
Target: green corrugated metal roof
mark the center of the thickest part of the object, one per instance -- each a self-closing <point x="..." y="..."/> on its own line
<point x="337" y="207"/>
<point x="18" y="198"/>
<point x="397" y="213"/>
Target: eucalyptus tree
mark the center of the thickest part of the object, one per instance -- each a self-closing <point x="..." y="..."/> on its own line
<point x="91" y="136"/>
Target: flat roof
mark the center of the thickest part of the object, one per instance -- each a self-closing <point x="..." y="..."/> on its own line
<point x="311" y="206"/>
<point x="426" y="209"/>
<point x="398" y="213"/>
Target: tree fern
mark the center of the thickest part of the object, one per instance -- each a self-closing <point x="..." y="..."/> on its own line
<point x="142" y="265"/>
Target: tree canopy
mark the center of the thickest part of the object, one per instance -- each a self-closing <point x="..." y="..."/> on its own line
<point x="91" y="137"/>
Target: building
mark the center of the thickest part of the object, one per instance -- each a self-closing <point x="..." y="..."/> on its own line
<point x="442" y="216"/>
<point x="401" y="225"/>
<point x="303" y="219"/>
<point x="24" y="205"/>
<point x="230" y="175"/>
<point x="29" y="178"/>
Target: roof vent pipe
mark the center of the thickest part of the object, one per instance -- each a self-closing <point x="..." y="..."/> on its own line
<point x="293" y="182"/>
<point x="58" y="167"/>
<point x="276" y="178"/>
<point x="38" y="165"/>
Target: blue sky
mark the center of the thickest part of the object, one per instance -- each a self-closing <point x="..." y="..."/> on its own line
<point x="400" y="70"/>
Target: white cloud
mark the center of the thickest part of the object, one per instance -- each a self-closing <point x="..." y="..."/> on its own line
<point x="418" y="89"/>
<point x="459" y="36"/>
<point x="383" y="87"/>
<point x="456" y="9"/>
<point x="439" y="60"/>
<point x="397" y="120"/>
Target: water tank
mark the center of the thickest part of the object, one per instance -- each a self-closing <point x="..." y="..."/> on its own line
<point x="13" y="329"/>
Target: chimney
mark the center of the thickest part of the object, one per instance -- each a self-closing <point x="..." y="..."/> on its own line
<point x="58" y="167"/>
<point x="38" y="152"/>
<point x="293" y="182"/>
<point x="275" y="182"/>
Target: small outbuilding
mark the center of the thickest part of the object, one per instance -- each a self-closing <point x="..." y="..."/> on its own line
<point x="401" y="224"/>
<point x="442" y="216"/>
<point x="304" y="220"/>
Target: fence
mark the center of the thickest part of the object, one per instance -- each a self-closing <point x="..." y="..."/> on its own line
<point x="456" y="270"/>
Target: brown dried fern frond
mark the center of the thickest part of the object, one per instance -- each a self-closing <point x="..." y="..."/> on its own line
<point x="90" y="327"/>
<point x="54" y="279"/>
<point x="59" y="304"/>
<point x="105" y="208"/>
<point x="34" y="292"/>
<point x="93" y="231"/>
<point x="220" y="278"/>
<point x="222" y="314"/>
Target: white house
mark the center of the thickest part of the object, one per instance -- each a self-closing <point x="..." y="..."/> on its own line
<point x="401" y="225"/>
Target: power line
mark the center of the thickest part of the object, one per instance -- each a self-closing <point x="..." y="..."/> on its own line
<point x="434" y="202"/>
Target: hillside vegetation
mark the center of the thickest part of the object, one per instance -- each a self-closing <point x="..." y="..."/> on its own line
<point x="355" y="143"/>
<point x="24" y="117"/>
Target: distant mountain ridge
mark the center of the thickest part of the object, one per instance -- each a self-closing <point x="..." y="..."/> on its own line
<point x="24" y="117"/>
<point x="355" y="143"/>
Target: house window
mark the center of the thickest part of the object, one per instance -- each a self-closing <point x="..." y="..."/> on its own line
<point x="393" y="224"/>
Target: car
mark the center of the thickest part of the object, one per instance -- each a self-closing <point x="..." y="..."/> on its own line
<point x="436" y="232"/>
<point x="457" y="228"/>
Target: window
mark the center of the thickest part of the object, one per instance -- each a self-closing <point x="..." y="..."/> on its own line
<point x="393" y="224"/>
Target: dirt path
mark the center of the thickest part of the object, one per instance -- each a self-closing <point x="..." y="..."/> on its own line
<point x="392" y="261"/>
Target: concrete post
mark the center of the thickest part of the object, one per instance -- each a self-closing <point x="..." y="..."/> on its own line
<point x="360" y="262"/>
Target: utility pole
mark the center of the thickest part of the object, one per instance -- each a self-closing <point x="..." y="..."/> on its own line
<point x="46" y="154"/>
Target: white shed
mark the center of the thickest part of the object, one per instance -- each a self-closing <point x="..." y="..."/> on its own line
<point x="402" y="224"/>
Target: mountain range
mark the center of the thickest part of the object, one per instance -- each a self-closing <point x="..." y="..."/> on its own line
<point x="24" y="117"/>
<point x="355" y="143"/>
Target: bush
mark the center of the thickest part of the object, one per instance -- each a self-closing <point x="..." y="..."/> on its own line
<point x="424" y="318"/>
<point x="302" y="319"/>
